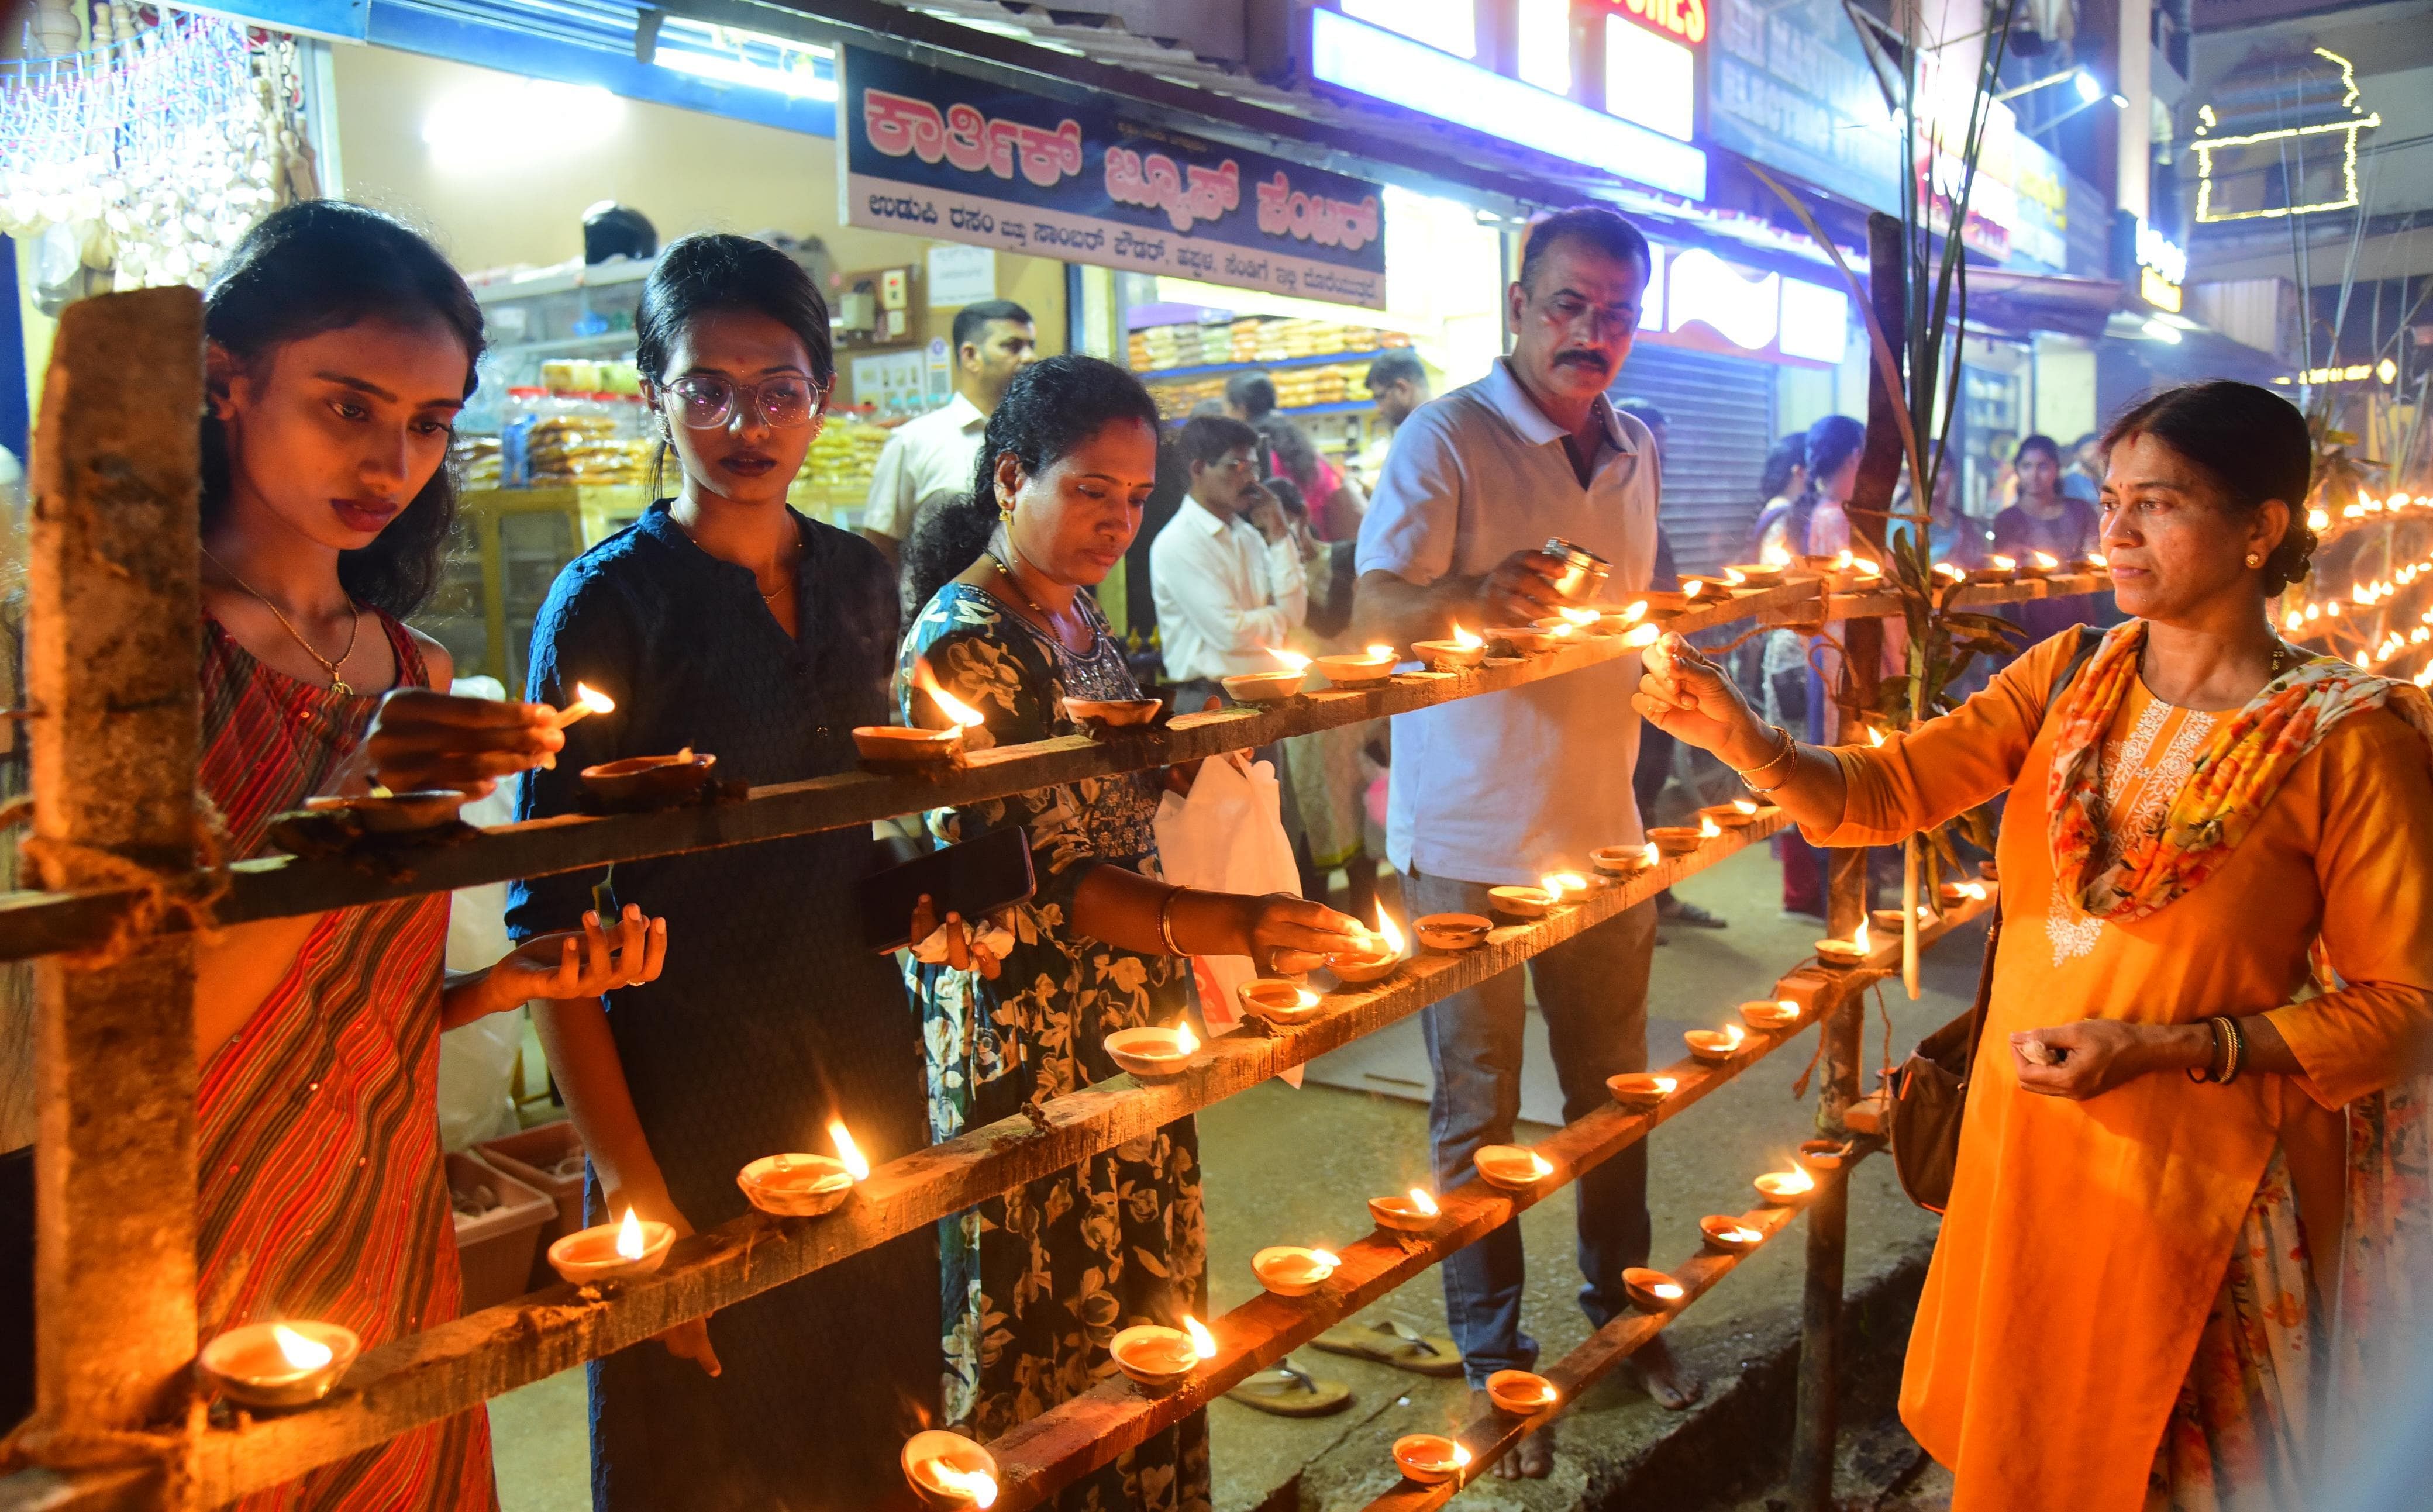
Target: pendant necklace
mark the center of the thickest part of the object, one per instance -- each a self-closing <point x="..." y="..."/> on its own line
<point x="355" y="622"/>
<point x="1033" y="604"/>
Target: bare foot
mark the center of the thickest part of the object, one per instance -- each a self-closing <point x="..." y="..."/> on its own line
<point x="1673" y="1384"/>
<point x="1532" y="1459"/>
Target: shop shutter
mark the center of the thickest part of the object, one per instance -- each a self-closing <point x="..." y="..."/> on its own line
<point x="1720" y="411"/>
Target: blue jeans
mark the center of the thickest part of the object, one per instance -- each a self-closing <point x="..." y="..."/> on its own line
<point x="1593" y="990"/>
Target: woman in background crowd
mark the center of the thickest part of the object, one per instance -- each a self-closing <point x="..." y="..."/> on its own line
<point x="1037" y="1281"/>
<point x="1814" y="525"/>
<point x="724" y="621"/>
<point x="1335" y="503"/>
<point x="2064" y="528"/>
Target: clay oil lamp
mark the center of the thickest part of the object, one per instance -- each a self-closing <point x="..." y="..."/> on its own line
<point x="1154" y="1052"/>
<point x="1100" y="715"/>
<point x="1430" y="1459"/>
<point x="1622" y="620"/>
<point x="1642" y="1089"/>
<point x="1290" y="1270"/>
<point x="650" y="782"/>
<point x="1755" y="574"/>
<point x="1729" y="1236"/>
<point x="1767" y="1017"/>
<point x="1639" y="637"/>
<point x="1892" y="920"/>
<point x="1363" y="668"/>
<point x="626" y="1250"/>
<point x="1783" y="1188"/>
<point x="1161" y="1358"/>
<point x="1464" y="651"/>
<point x="1414" y="1211"/>
<point x="1846" y="953"/>
<point x="900" y="745"/>
<point x="1572" y="622"/>
<point x="1945" y="573"/>
<point x="1279" y="1002"/>
<point x="2040" y="564"/>
<point x="1520" y="1393"/>
<point x="1652" y="1291"/>
<point x="1680" y="840"/>
<point x="1738" y="814"/>
<point x="1512" y="1167"/>
<point x="392" y="813"/>
<point x="1716" y="1046"/>
<point x="1380" y="960"/>
<point x="1271" y="687"/>
<point x="805" y="1186"/>
<point x="1996" y="569"/>
<point x="948" y="1472"/>
<point x="1822" y="1154"/>
<point x="1524" y="902"/>
<point x="587" y="701"/>
<point x="1520" y="640"/>
<point x="1449" y="934"/>
<point x="1954" y="895"/>
<point x="2092" y="562"/>
<point x="279" y="1365"/>
<point x="1625" y="861"/>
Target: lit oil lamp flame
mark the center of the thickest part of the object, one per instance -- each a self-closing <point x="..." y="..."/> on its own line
<point x="1579" y="617"/>
<point x="1538" y="1168"/>
<point x="1634" y="611"/>
<point x="1664" y="1086"/>
<point x="2319" y="519"/>
<point x="1203" y="1343"/>
<point x="2098" y="560"/>
<point x="1461" y="1453"/>
<point x="1331" y="1261"/>
<point x="1559" y="883"/>
<point x="1956" y="574"/>
<point x="1790" y="1006"/>
<point x="1693" y="588"/>
<point x="954" y="709"/>
<point x="1642" y="637"/>
<point x="2046" y="560"/>
<point x="1866" y="568"/>
<point x="1669" y="1290"/>
<point x="1424" y="1203"/>
<point x="1566" y="628"/>
<point x="2002" y="564"/>
<point x="1746" y="806"/>
<point x="1293" y="660"/>
<point x="1843" y="558"/>
<point x="847" y="1151"/>
<point x="1874" y="737"/>
<point x="1733" y="1034"/>
<point x="1740" y="1235"/>
<point x="1975" y="889"/>
<point x="1776" y="554"/>
<point x="1707" y="828"/>
<point x="587" y="701"/>
<point x="980" y="1485"/>
<point x="300" y="1353"/>
<point x="1464" y="639"/>
<point x="1734" y="577"/>
<point x="1389" y="933"/>
<point x="1185" y="1042"/>
<point x="1382" y="653"/>
<point x="1858" y="937"/>
<point x="1795" y="1179"/>
<point x="1651" y="855"/>
<point x="629" y="1237"/>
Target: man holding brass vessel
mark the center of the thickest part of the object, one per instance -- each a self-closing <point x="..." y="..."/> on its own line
<point x="1477" y="480"/>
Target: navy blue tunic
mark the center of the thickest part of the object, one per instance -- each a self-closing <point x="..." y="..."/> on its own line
<point x="768" y="1020"/>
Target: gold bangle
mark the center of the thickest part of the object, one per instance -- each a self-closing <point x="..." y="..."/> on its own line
<point x="1165" y="922"/>
<point x="1789" y="745"/>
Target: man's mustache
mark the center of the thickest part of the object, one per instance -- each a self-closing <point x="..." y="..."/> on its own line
<point x="1595" y="360"/>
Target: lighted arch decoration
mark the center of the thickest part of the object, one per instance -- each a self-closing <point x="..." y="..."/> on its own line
<point x="2242" y="158"/>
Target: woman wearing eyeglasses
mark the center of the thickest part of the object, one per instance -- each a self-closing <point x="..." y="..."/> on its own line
<point x="726" y="621"/>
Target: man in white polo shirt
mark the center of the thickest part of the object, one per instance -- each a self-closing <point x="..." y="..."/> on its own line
<point x="1225" y="572"/>
<point x="936" y="454"/>
<point x="1507" y="787"/>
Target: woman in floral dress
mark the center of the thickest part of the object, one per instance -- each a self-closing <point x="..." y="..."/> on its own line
<point x="1036" y="1282"/>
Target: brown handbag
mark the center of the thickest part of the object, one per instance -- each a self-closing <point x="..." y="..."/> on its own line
<point x="1930" y="1090"/>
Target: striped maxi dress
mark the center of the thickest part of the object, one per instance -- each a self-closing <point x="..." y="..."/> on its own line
<point x="322" y="1192"/>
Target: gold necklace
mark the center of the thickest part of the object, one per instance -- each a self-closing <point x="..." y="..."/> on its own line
<point x="355" y="622"/>
<point x="1047" y="620"/>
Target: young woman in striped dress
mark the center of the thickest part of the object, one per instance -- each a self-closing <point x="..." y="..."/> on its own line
<point x="341" y="345"/>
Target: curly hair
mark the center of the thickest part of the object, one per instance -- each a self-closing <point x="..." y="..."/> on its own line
<point x="2250" y="443"/>
<point x="1050" y="408"/>
<point x="322" y="265"/>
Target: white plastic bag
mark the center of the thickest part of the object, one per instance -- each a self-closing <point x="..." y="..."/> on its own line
<point x="477" y="1062"/>
<point x="1227" y="836"/>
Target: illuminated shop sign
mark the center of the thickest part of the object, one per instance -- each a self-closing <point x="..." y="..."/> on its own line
<point x="2162" y="267"/>
<point x="1697" y="299"/>
<point x="2018" y="204"/>
<point x="961" y="159"/>
<point x="1651" y="78"/>
<point x="1391" y="66"/>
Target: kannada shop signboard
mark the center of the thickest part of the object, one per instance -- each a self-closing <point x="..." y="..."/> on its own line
<point x="939" y="155"/>
<point x="1790" y="86"/>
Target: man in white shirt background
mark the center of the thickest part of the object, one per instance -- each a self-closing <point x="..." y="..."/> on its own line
<point x="936" y="454"/>
<point x="1225" y="572"/>
<point x="1507" y="787"/>
<point x="1397" y="385"/>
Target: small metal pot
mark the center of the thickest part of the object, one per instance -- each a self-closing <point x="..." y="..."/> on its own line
<point x="1584" y="571"/>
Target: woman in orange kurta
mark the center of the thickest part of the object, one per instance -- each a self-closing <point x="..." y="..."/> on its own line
<point x="2172" y="1114"/>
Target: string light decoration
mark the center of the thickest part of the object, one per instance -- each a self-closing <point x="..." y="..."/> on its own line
<point x="157" y="146"/>
<point x="2238" y="163"/>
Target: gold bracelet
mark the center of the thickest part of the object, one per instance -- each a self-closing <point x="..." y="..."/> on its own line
<point x="1165" y="922"/>
<point x="1788" y="746"/>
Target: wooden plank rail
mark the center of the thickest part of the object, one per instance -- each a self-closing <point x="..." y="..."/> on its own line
<point x="460" y="1364"/>
<point x="1489" y="1437"/>
<point x="1051" y="1451"/>
<point x="35" y="923"/>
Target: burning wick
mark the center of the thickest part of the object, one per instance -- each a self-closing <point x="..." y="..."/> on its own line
<point x="1738" y="1235"/>
<point x="1707" y="828"/>
<point x="1874" y="737"/>
<point x="1733" y="1034"/>
<point x="1420" y="1199"/>
<point x="1864" y="567"/>
<point x="1651" y="855"/>
<point x="1293" y="660"/>
<point x="1958" y="575"/>
<point x="2046" y="560"/>
<point x="1202" y="1343"/>
<point x="1185" y="1042"/>
<point x="1390" y="938"/>
<point x="1858" y="937"/>
<point x="1580" y="617"/>
<point x="1693" y="588"/>
<point x="1975" y="889"/>
<point x="1559" y="883"/>
<point x="1464" y="639"/>
<point x="1795" y="1179"/>
<point x="298" y="1352"/>
<point x="2098" y="559"/>
<point x="587" y="701"/>
<point x="629" y="1237"/>
<point x="847" y="1151"/>
<point x="2002" y="564"/>
<point x="958" y="712"/>
<point x="1669" y="1290"/>
<point x="1734" y="576"/>
<point x="1843" y="558"/>
<point x="978" y="1485"/>
<point x="1642" y="637"/>
<point x="1635" y="612"/>
<point x="1746" y="806"/>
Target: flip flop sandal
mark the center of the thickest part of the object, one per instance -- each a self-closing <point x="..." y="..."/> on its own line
<point x="1390" y="1343"/>
<point x="1289" y="1391"/>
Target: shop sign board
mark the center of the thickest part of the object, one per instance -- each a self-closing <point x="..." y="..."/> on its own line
<point x="1697" y="299"/>
<point x="2019" y="207"/>
<point x="1790" y="87"/>
<point x="960" y="274"/>
<point x="954" y="159"/>
<point x="2162" y="268"/>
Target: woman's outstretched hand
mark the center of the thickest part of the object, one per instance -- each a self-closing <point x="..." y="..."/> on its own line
<point x="1292" y="935"/>
<point x="1689" y="698"/>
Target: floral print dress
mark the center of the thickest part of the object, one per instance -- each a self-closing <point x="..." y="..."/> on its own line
<point x="1036" y="1282"/>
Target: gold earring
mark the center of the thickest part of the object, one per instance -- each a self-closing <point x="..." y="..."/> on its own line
<point x="2254" y="560"/>
<point x="1004" y="508"/>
